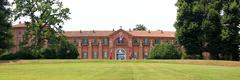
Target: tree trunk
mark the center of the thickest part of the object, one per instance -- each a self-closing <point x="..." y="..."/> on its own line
<point x="214" y="56"/>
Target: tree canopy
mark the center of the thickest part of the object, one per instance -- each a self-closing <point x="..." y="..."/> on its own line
<point x="5" y="27"/>
<point x="208" y="26"/>
<point x="140" y="27"/>
<point x="46" y="20"/>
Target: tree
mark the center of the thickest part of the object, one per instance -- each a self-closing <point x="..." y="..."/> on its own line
<point x="211" y="28"/>
<point x="62" y="50"/>
<point x="198" y="26"/>
<point x="5" y="27"/>
<point x="46" y="19"/>
<point x="188" y="29"/>
<point x="230" y="32"/>
<point x="164" y="51"/>
<point x="140" y="27"/>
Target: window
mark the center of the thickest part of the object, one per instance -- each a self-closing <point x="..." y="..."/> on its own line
<point x="157" y="41"/>
<point x="135" y="55"/>
<point x="105" y="55"/>
<point x="95" y="41"/>
<point x="146" y="41"/>
<point x="105" y="41"/>
<point x="85" y="55"/>
<point x="136" y="41"/>
<point x="95" y="55"/>
<point x="20" y="33"/>
<point x="75" y="42"/>
<point x="85" y="41"/>
<point x="145" y="55"/>
<point x="120" y="40"/>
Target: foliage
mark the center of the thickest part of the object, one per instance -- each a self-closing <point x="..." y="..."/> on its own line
<point x="140" y="27"/>
<point x="230" y="32"/>
<point x="65" y="50"/>
<point x="7" y="56"/>
<point x="164" y="51"/>
<point x="46" y="18"/>
<point x="188" y="31"/>
<point x="5" y="27"/>
<point x="26" y="54"/>
<point x="208" y="26"/>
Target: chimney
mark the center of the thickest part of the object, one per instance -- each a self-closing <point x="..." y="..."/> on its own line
<point x="93" y="31"/>
<point x="80" y="31"/>
<point x="149" y="31"/>
<point x="113" y="29"/>
<point x="130" y="29"/>
<point x="162" y="31"/>
<point x="19" y="22"/>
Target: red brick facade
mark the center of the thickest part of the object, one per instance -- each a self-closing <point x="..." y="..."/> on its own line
<point x="118" y="44"/>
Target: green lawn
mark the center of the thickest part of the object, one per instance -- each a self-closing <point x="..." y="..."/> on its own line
<point x="119" y="70"/>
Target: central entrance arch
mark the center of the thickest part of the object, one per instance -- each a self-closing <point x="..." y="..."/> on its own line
<point x="120" y="54"/>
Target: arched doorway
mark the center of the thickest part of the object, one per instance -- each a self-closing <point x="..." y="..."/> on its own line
<point x="120" y="54"/>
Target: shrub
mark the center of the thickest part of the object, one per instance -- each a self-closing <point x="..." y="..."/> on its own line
<point x="7" y="56"/>
<point x="164" y="51"/>
<point x="50" y="53"/>
<point x="65" y="50"/>
<point x="25" y="54"/>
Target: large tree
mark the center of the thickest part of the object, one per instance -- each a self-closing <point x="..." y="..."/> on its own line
<point x="46" y="20"/>
<point x="140" y="27"/>
<point x="188" y="29"/>
<point x="198" y="26"/>
<point x="230" y="32"/>
<point x="211" y="27"/>
<point x="5" y="26"/>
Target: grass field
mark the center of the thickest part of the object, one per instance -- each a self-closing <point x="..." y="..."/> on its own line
<point x="119" y="70"/>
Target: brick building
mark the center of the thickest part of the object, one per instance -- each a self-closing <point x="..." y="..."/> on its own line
<point x="115" y="44"/>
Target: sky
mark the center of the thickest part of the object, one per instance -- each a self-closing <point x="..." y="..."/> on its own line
<point x="111" y="14"/>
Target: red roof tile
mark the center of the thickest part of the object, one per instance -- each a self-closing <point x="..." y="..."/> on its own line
<point x="107" y="33"/>
<point x="153" y="33"/>
<point x="87" y="33"/>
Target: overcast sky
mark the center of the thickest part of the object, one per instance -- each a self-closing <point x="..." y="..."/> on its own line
<point x="109" y="14"/>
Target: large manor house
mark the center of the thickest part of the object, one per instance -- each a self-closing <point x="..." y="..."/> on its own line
<point x="115" y="44"/>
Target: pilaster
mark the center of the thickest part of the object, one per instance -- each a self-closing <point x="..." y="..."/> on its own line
<point x="90" y="50"/>
<point x="100" y="50"/>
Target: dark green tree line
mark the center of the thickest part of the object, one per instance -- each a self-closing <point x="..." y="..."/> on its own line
<point x="201" y="26"/>
<point x="5" y="27"/>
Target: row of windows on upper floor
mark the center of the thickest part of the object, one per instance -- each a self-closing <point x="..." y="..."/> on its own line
<point x="135" y="41"/>
<point x="106" y="55"/>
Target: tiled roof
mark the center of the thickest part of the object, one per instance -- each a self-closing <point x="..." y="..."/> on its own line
<point x="107" y="33"/>
<point x="152" y="33"/>
<point x="87" y="33"/>
<point x="18" y="25"/>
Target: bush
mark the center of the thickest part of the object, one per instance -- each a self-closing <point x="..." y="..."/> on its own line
<point x="25" y="54"/>
<point x="8" y="56"/>
<point x="66" y="50"/>
<point x="50" y="53"/>
<point x="164" y="51"/>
